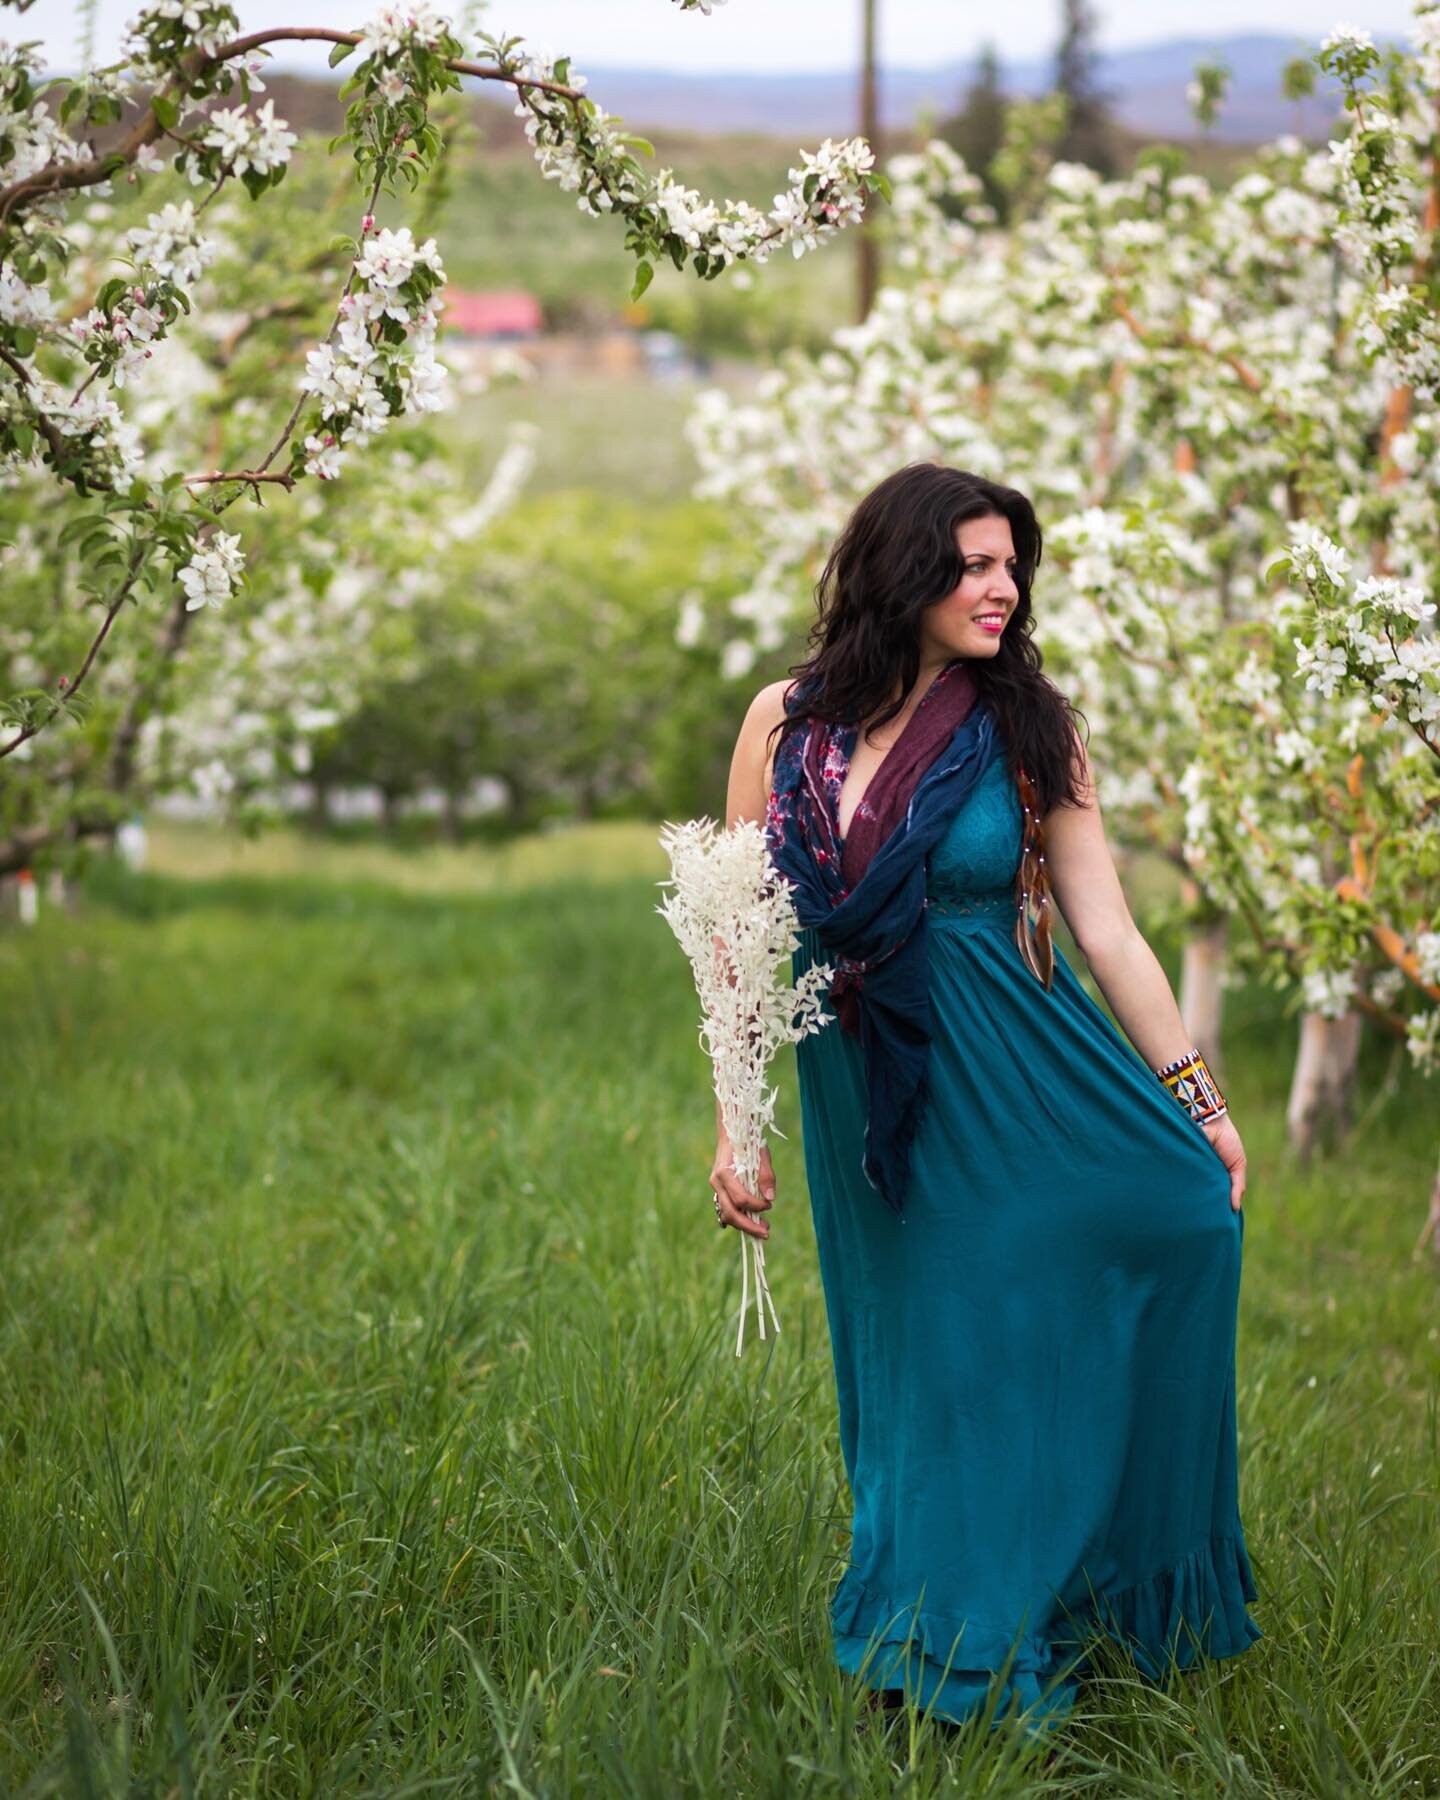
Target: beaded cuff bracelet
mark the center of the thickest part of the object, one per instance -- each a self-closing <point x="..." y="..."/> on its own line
<point x="1190" y="1081"/>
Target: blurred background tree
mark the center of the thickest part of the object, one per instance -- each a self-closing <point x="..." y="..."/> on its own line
<point x="1089" y="134"/>
<point x="977" y="131"/>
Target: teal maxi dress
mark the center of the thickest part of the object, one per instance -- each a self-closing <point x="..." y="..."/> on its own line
<point x="1036" y="1366"/>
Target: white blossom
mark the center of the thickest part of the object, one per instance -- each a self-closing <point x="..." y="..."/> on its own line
<point x="171" y="242"/>
<point x="1329" y="992"/>
<point x="211" y="574"/>
<point x="260" y="141"/>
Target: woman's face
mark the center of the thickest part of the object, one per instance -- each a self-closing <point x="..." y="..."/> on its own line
<point x="972" y="620"/>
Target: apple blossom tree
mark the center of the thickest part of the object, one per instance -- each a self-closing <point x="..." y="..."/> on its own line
<point x="150" y="382"/>
<point x="1204" y="391"/>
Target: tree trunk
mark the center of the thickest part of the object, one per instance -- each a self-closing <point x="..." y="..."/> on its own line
<point x="1322" y="1088"/>
<point x="17" y="852"/>
<point x="319" y="804"/>
<point x="1202" y="995"/>
<point x="867" y="254"/>
<point x="454" y="824"/>
<point x="126" y="739"/>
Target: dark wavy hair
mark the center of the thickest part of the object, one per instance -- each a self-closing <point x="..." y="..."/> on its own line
<point x="899" y="553"/>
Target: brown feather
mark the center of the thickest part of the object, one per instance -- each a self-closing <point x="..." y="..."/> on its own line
<point x="1032" y="888"/>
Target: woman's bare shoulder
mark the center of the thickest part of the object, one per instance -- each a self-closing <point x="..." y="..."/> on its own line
<point x="768" y="706"/>
<point x="753" y="763"/>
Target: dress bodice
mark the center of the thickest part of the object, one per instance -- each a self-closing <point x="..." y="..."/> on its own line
<point x="980" y="852"/>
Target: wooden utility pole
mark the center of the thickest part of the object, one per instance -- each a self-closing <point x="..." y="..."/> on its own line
<point x="866" y="250"/>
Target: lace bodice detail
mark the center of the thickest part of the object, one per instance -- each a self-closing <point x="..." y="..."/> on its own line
<point x="980" y="853"/>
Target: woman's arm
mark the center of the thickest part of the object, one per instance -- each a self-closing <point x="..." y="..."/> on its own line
<point x="1086" y="888"/>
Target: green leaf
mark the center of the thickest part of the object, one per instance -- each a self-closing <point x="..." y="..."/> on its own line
<point x="166" y="109"/>
<point x="339" y="53"/>
<point x="644" y="275"/>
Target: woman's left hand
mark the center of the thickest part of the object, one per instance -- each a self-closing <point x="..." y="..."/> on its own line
<point x="1226" y="1139"/>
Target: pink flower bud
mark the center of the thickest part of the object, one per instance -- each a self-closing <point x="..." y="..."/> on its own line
<point x="367" y="223"/>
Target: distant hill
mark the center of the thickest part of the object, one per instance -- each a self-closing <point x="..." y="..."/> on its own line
<point x="1147" y="85"/>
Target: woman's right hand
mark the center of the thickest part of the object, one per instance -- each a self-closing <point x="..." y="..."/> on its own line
<point x="737" y="1204"/>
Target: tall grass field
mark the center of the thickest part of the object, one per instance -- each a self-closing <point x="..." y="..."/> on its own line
<point x="370" y="1417"/>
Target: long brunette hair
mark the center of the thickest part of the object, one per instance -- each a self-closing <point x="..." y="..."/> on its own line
<point x="899" y="553"/>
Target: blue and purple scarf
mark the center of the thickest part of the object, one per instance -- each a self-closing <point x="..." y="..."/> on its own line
<point x="864" y="895"/>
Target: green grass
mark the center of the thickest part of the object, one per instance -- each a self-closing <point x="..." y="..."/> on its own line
<point x="592" y="852"/>
<point x="622" y="436"/>
<point x="371" y="1422"/>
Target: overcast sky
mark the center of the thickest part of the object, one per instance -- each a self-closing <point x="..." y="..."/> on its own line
<point x="760" y="34"/>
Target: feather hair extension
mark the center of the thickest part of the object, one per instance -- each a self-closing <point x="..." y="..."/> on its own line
<point x="1032" y="887"/>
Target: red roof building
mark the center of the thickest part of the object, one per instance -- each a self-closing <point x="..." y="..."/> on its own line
<point x="502" y="315"/>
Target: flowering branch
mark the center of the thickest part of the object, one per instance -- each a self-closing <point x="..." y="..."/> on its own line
<point x="41" y="708"/>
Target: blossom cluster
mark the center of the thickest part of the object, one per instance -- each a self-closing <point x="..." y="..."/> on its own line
<point x="255" y="145"/>
<point x="213" y="572"/>
<point x="379" y="360"/>
<point x="1381" y="167"/>
<point x="1351" y="634"/>
<point x="396" y="29"/>
<point x="30" y="138"/>
<point x="159" y="36"/>
<point x="116" y="335"/>
<point x="577" y="145"/>
<point x="171" y="242"/>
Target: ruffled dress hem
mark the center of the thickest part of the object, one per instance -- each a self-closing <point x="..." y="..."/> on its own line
<point x="1194" y="1608"/>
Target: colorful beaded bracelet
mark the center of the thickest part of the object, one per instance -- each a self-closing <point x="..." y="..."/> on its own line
<point x="1190" y="1081"/>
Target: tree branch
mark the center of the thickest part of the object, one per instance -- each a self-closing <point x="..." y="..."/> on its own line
<point x="148" y="128"/>
<point x="49" y="430"/>
<point x="137" y="556"/>
<point x="299" y="405"/>
<point x="1243" y="372"/>
<point x="127" y="732"/>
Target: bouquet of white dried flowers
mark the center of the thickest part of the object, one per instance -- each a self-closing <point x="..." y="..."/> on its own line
<point x="734" y="915"/>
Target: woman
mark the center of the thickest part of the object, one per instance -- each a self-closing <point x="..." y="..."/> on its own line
<point x="1029" y="1228"/>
